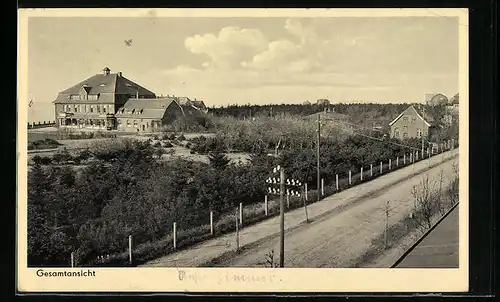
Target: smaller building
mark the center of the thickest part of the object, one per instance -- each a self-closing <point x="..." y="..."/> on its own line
<point x="411" y="123"/>
<point x="148" y="115"/>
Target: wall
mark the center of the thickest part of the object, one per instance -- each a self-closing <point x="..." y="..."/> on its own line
<point x="149" y="125"/>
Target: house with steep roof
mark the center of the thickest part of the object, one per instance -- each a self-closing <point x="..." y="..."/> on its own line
<point x="92" y="103"/>
<point x="412" y="123"/>
<point x="148" y="115"/>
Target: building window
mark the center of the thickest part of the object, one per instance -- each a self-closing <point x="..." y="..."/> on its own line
<point x="419" y="133"/>
<point x="92" y="97"/>
<point x="405" y="119"/>
<point x="74" y="97"/>
<point x="128" y="123"/>
<point x="86" y="108"/>
<point x="104" y="109"/>
<point x="135" y="124"/>
<point x="396" y="132"/>
<point x="91" y="108"/>
<point x="405" y="128"/>
<point x="413" y="119"/>
<point x="98" y="109"/>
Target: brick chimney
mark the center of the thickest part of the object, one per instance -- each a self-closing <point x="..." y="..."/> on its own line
<point x="119" y="73"/>
<point x="106" y="71"/>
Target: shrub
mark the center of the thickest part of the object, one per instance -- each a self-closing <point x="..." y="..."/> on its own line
<point x="38" y="160"/>
<point x="47" y="143"/>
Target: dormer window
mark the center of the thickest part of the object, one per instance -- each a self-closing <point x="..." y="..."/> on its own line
<point x="92" y="97"/>
<point x="102" y="85"/>
<point x="74" y="97"/>
<point x="141" y="111"/>
<point x="133" y="110"/>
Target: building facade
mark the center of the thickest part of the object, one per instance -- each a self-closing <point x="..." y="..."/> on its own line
<point x="92" y="103"/>
<point x="410" y="124"/>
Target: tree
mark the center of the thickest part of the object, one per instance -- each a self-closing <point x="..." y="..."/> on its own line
<point x="218" y="160"/>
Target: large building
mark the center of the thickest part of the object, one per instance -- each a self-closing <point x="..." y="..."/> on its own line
<point x="411" y="123"/>
<point x="110" y="101"/>
<point x="92" y="103"/>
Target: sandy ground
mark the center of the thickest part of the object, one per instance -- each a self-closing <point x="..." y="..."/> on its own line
<point x="343" y="227"/>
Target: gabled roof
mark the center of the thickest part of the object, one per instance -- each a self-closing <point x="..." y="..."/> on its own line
<point x="182" y="100"/>
<point x="427" y="120"/>
<point x="146" y="108"/>
<point x="198" y="104"/>
<point x="112" y="83"/>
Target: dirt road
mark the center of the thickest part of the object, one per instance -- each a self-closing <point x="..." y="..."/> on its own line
<point x="338" y="240"/>
<point x="343" y="225"/>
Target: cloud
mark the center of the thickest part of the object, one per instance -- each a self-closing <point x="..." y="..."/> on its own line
<point x="304" y="55"/>
<point x="229" y="47"/>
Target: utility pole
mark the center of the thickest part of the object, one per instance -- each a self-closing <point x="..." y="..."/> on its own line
<point x="422" y="132"/>
<point x="282" y="218"/>
<point x="317" y="155"/>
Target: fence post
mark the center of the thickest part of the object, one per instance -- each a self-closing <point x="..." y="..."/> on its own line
<point x="404" y="159"/>
<point x="337" y="181"/>
<point x="72" y="260"/>
<point x="349" y="177"/>
<point x="266" y="207"/>
<point x="175" y="235"/>
<point x="322" y="187"/>
<point x="211" y="222"/>
<point x="237" y="231"/>
<point x="380" y="167"/>
<point x="361" y="177"/>
<point x="389" y="163"/>
<point x="371" y="169"/>
<point x="305" y="190"/>
<point x="411" y="157"/>
<point x="397" y="161"/>
<point x="416" y="156"/>
<point x="287" y="200"/>
<point x="241" y="213"/>
<point x="130" y="249"/>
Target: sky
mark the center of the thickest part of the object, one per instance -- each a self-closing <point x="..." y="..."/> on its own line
<point x="248" y="60"/>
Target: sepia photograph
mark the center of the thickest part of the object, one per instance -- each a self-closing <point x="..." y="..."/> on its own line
<point x="215" y="148"/>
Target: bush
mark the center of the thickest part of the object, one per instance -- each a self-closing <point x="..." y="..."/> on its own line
<point x="38" y="160"/>
<point x="167" y="145"/>
<point x="168" y="136"/>
<point x="47" y="143"/>
<point x="157" y="144"/>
